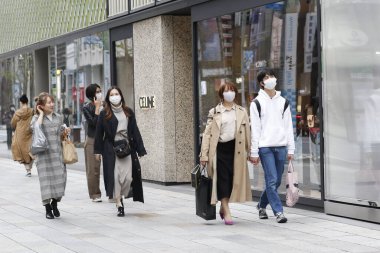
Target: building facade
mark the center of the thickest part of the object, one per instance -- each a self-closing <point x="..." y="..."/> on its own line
<point x="170" y="57"/>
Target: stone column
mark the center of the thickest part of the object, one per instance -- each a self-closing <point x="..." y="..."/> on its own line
<point x="162" y="68"/>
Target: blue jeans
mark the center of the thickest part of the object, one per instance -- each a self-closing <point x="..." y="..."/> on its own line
<point x="273" y="162"/>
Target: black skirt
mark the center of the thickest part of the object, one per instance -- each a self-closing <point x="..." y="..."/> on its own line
<point x="225" y="168"/>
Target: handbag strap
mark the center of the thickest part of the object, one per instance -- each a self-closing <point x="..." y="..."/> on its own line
<point x="125" y="136"/>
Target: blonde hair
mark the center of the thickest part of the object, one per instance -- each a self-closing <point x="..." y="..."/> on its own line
<point x="42" y="99"/>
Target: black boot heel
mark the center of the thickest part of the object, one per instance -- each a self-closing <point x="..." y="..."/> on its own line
<point x="54" y="205"/>
<point x="49" y="214"/>
<point x="120" y="211"/>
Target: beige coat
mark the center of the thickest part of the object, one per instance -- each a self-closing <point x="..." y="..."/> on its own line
<point x="241" y="189"/>
<point x="22" y="137"/>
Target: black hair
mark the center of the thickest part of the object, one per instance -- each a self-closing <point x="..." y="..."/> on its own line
<point x="91" y="90"/>
<point x="66" y="111"/>
<point x="262" y="74"/>
<point x="24" y="99"/>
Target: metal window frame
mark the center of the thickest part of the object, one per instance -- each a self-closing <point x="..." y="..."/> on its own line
<point x="131" y="10"/>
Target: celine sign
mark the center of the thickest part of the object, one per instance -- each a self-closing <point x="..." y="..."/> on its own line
<point x="147" y="102"/>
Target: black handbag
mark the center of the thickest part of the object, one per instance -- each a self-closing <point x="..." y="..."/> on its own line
<point x="203" y="199"/>
<point x="122" y="148"/>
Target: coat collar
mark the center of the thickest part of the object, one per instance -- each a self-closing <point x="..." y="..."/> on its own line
<point x="239" y="115"/>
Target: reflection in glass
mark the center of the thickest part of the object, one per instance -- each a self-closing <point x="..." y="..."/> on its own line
<point x="74" y="65"/>
<point x="17" y="78"/>
<point x="352" y="95"/>
<point x="281" y="36"/>
<point x="124" y="69"/>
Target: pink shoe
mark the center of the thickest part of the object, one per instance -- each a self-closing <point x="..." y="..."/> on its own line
<point x="228" y="222"/>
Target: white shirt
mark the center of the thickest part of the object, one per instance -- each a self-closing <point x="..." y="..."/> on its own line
<point x="228" y="124"/>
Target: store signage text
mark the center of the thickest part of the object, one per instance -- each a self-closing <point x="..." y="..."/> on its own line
<point x="147" y="102"/>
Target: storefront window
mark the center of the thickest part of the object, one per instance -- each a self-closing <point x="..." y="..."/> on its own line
<point x="351" y="85"/>
<point x="280" y="36"/>
<point x="124" y="69"/>
<point x="17" y="78"/>
<point x="73" y="66"/>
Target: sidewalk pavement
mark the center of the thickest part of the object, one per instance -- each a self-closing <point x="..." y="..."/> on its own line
<point x="165" y="223"/>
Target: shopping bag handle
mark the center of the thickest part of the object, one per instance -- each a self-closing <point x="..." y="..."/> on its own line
<point x="290" y="166"/>
<point x="204" y="170"/>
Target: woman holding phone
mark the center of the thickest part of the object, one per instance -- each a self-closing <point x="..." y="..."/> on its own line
<point x="91" y="111"/>
<point x="50" y="166"/>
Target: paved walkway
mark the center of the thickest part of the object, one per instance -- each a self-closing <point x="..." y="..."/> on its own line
<point x="165" y="223"/>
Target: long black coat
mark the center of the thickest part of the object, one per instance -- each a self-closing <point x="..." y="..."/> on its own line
<point x="104" y="136"/>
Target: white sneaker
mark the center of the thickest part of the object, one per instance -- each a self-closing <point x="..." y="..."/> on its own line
<point x="97" y="200"/>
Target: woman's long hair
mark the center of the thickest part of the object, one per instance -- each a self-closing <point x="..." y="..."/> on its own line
<point x="107" y="104"/>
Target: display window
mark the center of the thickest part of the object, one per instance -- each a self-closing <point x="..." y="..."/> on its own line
<point x="281" y="36"/>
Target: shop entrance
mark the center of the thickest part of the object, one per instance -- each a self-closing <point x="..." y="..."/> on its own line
<point x="122" y="57"/>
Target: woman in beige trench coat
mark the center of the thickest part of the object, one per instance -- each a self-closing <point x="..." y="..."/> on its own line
<point x="22" y="137"/>
<point x="225" y="146"/>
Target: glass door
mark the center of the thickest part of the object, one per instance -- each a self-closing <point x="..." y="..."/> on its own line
<point x="122" y="59"/>
<point x="124" y="69"/>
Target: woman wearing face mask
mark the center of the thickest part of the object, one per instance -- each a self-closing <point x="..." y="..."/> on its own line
<point x="91" y="112"/>
<point x="122" y="176"/>
<point x="51" y="169"/>
<point x="227" y="136"/>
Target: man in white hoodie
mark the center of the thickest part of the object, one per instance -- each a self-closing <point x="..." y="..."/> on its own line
<point x="272" y="141"/>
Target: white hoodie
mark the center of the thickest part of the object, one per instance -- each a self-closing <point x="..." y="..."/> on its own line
<point x="274" y="129"/>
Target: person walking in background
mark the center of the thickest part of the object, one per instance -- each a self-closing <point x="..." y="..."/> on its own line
<point x="91" y="112"/>
<point x="51" y="169"/>
<point x="66" y="116"/>
<point x="117" y="122"/>
<point x="7" y="118"/>
<point x="272" y="141"/>
<point x="22" y="137"/>
<point x="227" y="135"/>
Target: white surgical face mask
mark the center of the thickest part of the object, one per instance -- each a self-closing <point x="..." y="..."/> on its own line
<point x="229" y="96"/>
<point x="270" y="83"/>
<point x="99" y="96"/>
<point x="115" y="100"/>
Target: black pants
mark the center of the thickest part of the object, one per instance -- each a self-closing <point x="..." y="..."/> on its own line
<point x="225" y="168"/>
<point x="9" y="137"/>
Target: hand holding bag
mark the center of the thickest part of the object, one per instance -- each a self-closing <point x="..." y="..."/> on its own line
<point x="39" y="141"/>
<point x="203" y="197"/>
<point x="292" y="190"/>
<point x="69" y="151"/>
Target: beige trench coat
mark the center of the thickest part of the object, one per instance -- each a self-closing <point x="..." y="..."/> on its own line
<point x="241" y="189"/>
<point x="22" y="137"/>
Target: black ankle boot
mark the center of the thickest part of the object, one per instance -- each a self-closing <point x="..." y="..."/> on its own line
<point x="54" y="206"/>
<point x="49" y="214"/>
<point x="120" y="211"/>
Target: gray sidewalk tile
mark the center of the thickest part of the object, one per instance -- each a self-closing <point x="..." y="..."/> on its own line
<point x="165" y="223"/>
